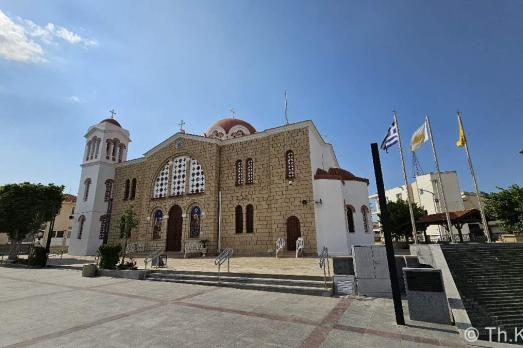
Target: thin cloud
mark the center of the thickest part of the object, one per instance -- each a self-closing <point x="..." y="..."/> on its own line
<point x="22" y="39"/>
<point x="75" y="99"/>
<point x="15" y="45"/>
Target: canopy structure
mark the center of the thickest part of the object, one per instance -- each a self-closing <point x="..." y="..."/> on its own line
<point x="457" y="218"/>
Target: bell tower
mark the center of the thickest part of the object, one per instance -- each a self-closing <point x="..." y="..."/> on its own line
<point x="106" y="145"/>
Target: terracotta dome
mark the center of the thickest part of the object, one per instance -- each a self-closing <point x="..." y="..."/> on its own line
<point x="112" y="121"/>
<point x="227" y="128"/>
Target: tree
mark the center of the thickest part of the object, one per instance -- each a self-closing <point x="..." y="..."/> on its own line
<point x="399" y="218"/>
<point x="25" y="207"/>
<point x="506" y="206"/>
<point x="128" y="222"/>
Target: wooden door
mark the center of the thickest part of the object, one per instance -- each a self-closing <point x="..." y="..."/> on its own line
<point x="293" y="232"/>
<point x="174" y="229"/>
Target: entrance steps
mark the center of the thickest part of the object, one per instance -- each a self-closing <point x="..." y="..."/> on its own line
<point x="490" y="282"/>
<point x="295" y="284"/>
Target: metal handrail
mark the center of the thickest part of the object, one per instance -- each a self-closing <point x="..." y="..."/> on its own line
<point x="324" y="258"/>
<point x="226" y="254"/>
<point x="154" y="255"/>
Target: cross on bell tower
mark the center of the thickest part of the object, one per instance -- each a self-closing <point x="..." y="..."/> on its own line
<point x="112" y="112"/>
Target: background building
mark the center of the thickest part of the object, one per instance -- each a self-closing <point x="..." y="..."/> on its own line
<point x="63" y="223"/>
<point x="426" y="193"/>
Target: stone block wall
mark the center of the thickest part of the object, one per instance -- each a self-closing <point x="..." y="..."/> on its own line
<point x="145" y="171"/>
<point x="274" y="197"/>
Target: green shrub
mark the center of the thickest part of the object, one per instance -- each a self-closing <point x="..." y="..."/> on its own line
<point x="109" y="255"/>
<point x="37" y="257"/>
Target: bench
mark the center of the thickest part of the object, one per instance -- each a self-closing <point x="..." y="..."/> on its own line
<point x="192" y="247"/>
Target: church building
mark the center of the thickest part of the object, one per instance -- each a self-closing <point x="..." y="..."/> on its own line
<point x="233" y="187"/>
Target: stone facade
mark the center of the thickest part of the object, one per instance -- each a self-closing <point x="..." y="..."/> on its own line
<point x="274" y="197"/>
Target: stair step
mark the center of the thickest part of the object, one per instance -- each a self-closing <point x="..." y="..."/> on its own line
<point x="488" y="278"/>
<point x="303" y="290"/>
<point x="240" y="279"/>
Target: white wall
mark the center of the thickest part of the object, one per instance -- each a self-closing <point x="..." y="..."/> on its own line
<point x="322" y="154"/>
<point x="356" y="193"/>
<point x="332" y="228"/>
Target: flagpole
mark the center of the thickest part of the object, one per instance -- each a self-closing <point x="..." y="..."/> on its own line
<point x="409" y="198"/>
<point x="486" y="229"/>
<point x="436" y="162"/>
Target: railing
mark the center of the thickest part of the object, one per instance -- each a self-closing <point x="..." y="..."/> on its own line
<point x="324" y="258"/>
<point x="226" y="254"/>
<point x="155" y="255"/>
<point x="280" y="244"/>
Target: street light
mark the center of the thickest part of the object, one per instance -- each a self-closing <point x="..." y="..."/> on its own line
<point x="421" y="191"/>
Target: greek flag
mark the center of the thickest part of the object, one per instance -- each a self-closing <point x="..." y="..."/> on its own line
<point x="391" y="138"/>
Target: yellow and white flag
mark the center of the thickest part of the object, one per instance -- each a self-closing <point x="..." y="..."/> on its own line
<point x="462" y="139"/>
<point x="420" y="136"/>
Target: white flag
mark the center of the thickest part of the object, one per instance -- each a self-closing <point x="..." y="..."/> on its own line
<point x="419" y="137"/>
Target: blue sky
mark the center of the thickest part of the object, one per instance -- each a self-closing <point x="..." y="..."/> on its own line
<point x="346" y="65"/>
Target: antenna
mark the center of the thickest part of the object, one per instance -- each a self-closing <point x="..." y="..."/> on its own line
<point x="286" y="107"/>
<point x="416" y="166"/>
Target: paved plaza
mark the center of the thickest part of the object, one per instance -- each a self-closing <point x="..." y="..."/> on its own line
<point x="58" y="308"/>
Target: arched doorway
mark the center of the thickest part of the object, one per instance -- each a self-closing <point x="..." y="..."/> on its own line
<point x="174" y="229"/>
<point x="293" y="232"/>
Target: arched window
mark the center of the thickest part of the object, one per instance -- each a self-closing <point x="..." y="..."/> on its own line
<point x="108" y="190"/>
<point x="87" y="186"/>
<point x="133" y="189"/>
<point x="365" y="214"/>
<point x="97" y="148"/>
<point x="81" y="222"/>
<point x="239" y="172"/>
<point x="116" y="146"/>
<point x="88" y="150"/>
<point x="290" y="170"/>
<point x="349" y="210"/>
<point x="157" y="224"/>
<point x="120" y="152"/>
<point x="249" y="163"/>
<point x="250" y="218"/>
<point x="239" y="219"/>
<point x="196" y="214"/>
<point x="126" y="189"/>
<point x="108" y="148"/>
<point x="162" y="181"/>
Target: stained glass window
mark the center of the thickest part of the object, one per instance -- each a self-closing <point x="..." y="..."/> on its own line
<point x="239" y="172"/>
<point x="157" y="224"/>
<point x="290" y="171"/>
<point x="195" y="222"/>
<point x="250" y="170"/>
